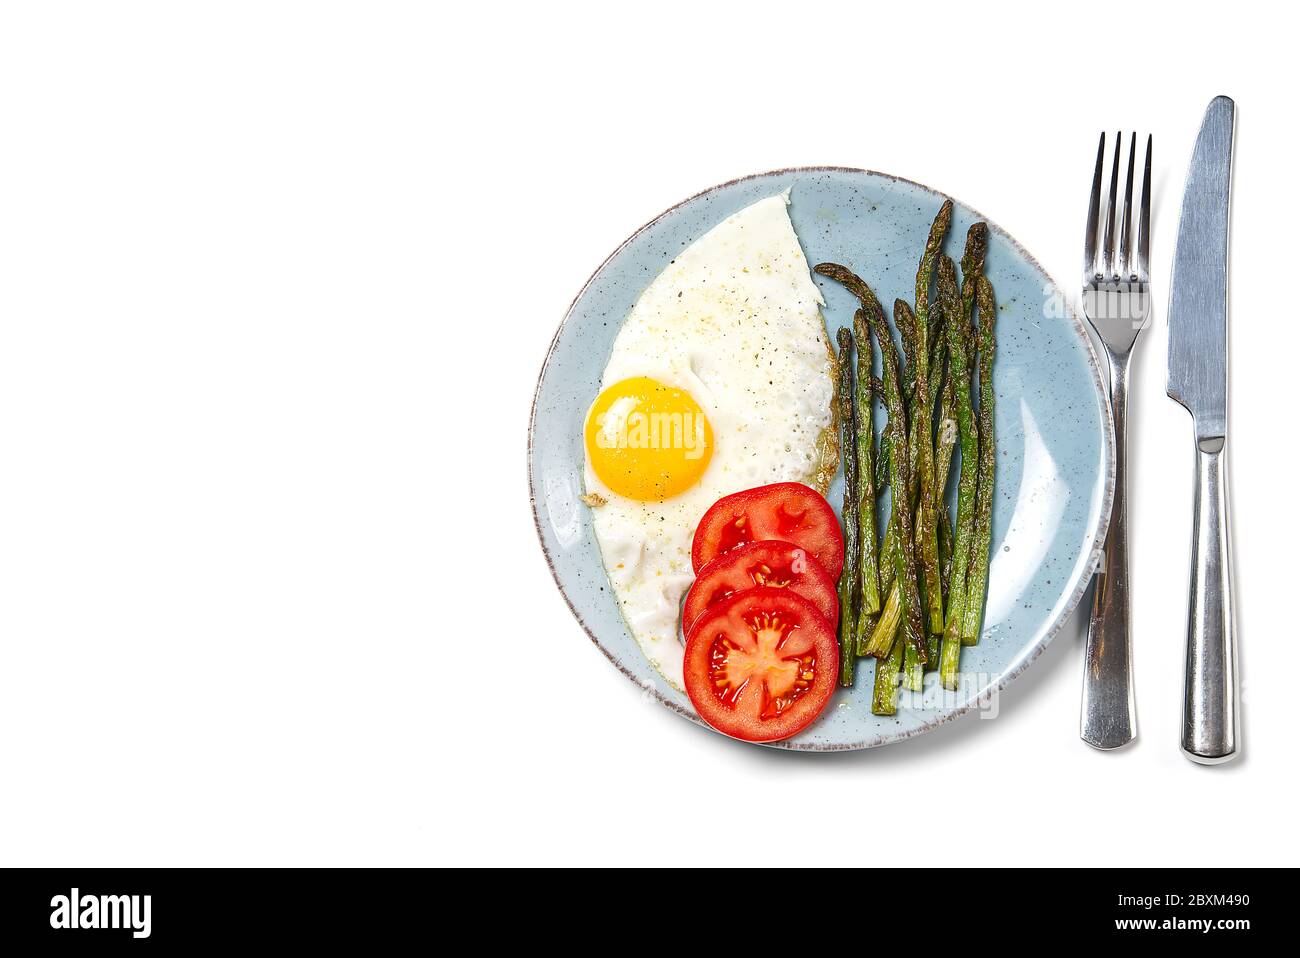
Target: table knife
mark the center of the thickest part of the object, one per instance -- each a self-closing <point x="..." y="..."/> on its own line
<point x="1198" y="380"/>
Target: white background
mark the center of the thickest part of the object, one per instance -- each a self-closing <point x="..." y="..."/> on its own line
<point x="276" y="281"/>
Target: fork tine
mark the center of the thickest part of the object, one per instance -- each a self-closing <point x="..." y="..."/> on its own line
<point x="1108" y="248"/>
<point x="1123" y="267"/>
<point x="1144" y="221"/>
<point x="1094" y="212"/>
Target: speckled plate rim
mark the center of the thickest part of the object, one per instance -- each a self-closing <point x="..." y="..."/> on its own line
<point x="1085" y="572"/>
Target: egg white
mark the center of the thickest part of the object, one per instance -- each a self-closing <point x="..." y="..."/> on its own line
<point x="735" y="321"/>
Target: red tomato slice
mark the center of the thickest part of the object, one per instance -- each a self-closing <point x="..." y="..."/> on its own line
<point x="788" y="511"/>
<point x="761" y="665"/>
<point x="779" y="565"/>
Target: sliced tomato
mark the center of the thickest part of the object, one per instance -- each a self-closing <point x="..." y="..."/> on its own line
<point x="761" y="664"/>
<point x="778" y="565"/>
<point x="787" y="511"/>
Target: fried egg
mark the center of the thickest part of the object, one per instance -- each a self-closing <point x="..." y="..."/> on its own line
<point x="721" y="379"/>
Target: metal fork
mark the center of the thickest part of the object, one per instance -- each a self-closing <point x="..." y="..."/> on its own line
<point x="1117" y="302"/>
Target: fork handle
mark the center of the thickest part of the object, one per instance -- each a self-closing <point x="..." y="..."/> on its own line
<point x="1210" y="708"/>
<point x="1109" y="717"/>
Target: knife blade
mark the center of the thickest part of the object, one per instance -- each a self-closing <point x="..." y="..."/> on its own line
<point x="1198" y="301"/>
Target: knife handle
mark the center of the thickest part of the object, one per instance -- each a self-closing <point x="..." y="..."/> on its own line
<point x="1108" y="716"/>
<point x="1210" y="706"/>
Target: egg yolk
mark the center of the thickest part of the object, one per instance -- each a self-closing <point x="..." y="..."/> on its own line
<point x="648" y="441"/>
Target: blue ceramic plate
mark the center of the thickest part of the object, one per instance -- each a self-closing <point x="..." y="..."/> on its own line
<point x="1055" y="442"/>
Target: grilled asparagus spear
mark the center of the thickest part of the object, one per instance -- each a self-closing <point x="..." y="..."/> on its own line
<point x="868" y="575"/>
<point x="900" y="481"/>
<point x="848" y="590"/>
<point x="923" y="413"/>
<point x="958" y="352"/>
